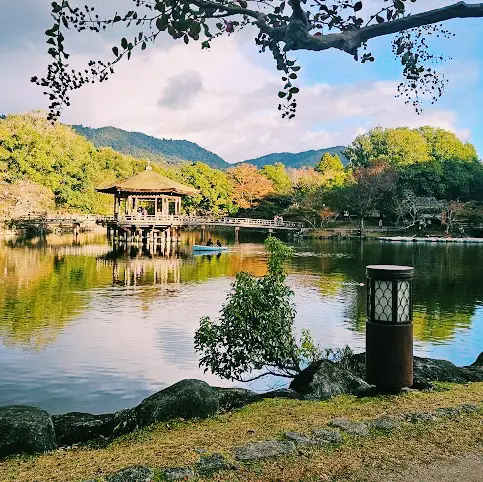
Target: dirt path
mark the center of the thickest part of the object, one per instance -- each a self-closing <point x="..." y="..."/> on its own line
<point x="468" y="468"/>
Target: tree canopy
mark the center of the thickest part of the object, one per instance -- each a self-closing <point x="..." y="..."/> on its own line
<point x="402" y="146"/>
<point x="56" y="157"/>
<point x="282" y="27"/>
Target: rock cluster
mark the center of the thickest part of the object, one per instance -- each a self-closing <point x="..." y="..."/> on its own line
<point x="31" y="430"/>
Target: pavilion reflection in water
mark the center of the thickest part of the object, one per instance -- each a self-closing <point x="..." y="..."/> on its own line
<point x="140" y="266"/>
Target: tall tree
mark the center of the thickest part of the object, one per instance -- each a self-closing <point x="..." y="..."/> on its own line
<point x="214" y="186"/>
<point x="277" y="173"/>
<point x="445" y="146"/>
<point x="370" y="185"/>
<point x="249" y="186"/>
<point x="282" y="27"/>
<point x="398" y="147"/>
<point x="332" y="170"/>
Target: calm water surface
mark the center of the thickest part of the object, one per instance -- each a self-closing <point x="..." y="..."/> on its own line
<point x="87" y="328"/>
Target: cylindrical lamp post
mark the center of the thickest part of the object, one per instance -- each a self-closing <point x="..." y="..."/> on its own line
<point x="389" y="327"/>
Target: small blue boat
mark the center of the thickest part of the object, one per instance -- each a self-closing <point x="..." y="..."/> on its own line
<point x="214" y="248"/>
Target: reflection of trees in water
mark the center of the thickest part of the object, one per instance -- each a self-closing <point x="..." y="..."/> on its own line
<point x="447" y="283"/>
<point x="38" y="301"/>
<point x="42" y="290"/>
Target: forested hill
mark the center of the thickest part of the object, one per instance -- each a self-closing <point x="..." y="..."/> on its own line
<point x="140" y="145"/>
<point x="300" y="159"/>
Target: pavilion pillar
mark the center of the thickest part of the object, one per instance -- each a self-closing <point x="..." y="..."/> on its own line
<point x="117" y="203"/>
<point x="156" y="206"/>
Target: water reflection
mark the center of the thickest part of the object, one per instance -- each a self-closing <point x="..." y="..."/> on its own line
<point x="90" y="326"/>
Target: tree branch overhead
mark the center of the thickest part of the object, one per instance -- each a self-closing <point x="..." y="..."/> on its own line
<point x="282" y="27"/>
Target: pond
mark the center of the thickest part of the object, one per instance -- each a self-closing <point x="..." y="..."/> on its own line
<point x="84" y="327"/>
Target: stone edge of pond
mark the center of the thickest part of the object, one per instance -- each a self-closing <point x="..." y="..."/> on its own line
<point x="336" y="433"/>
<point x="194" y="399"/>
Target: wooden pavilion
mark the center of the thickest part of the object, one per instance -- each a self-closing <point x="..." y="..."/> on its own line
<point x="145" y="204"/>
<point x="157" y="194"/>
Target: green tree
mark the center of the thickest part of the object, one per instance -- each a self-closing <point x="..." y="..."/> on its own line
<point x="445" y="145"/>
<point x="277" y="173"/>
<point x="215" y="189"/>
<point x="397" y="147"/>
<point x="281" y="28"/>
<point x="332" y="170"/>
<point x="56" y="157"/>
<point x="255" y="328"/>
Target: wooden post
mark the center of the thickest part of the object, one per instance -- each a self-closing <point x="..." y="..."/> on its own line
<point x="117" y="202"/>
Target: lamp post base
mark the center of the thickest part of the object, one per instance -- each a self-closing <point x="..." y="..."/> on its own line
<point x="389" y="355"/>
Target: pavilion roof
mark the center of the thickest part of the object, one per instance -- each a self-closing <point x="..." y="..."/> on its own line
<point x="151" y="182"/>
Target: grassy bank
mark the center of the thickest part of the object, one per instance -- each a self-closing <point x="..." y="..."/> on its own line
<point x="370" y="458"/>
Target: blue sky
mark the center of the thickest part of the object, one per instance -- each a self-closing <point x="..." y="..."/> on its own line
<point x="226" y="99"/>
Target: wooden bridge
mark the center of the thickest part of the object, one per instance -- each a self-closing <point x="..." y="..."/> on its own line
<point x="145" y="226"/>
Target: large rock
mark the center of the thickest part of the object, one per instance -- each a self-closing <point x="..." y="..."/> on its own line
<point x="75" y="427"/>
<point x="479" y="361"/>
<point x="429" y="370"/>
<point x="186" y="399"/>
<point x="286" y="393"/>
<point x="25" y="430"/>
<point x="233" y="398"/>
<point x="324" y="379"/>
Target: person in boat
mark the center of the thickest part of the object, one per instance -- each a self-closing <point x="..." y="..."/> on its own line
<point x="218" y="243"/>
<point x="209" y="243"/>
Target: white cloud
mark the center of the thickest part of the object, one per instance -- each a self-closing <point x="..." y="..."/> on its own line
<point x="224" y="99"/>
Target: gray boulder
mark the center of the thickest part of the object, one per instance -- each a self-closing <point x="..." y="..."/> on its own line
<point x="233" y="398"/>
<point x="286" y="393"/>
<point x="479" y="361"/>
<point x="25" y="430"/>
<point x="186" y="399"/>
<point x="324" y="379"/>
<point x="76" y="427"/>
<point x="263" y="450"/>
<point x="132" y="474"/>
<point x="428" y="370"/>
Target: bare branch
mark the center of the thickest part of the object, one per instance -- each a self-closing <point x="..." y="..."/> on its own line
<point x="351" y="40"/>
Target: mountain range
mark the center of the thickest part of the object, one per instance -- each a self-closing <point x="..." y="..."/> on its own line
<point x="175" y="152"/>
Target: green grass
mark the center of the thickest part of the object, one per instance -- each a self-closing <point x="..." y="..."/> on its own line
<point x="176" y="443"/>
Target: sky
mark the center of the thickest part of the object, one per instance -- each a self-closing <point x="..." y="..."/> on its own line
<point x="225" y="99"/>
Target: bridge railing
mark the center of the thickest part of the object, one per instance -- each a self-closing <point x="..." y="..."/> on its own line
<point x="61" y="218"/>
<point x="179" y="220"/>
<point x="200" y="220"/>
